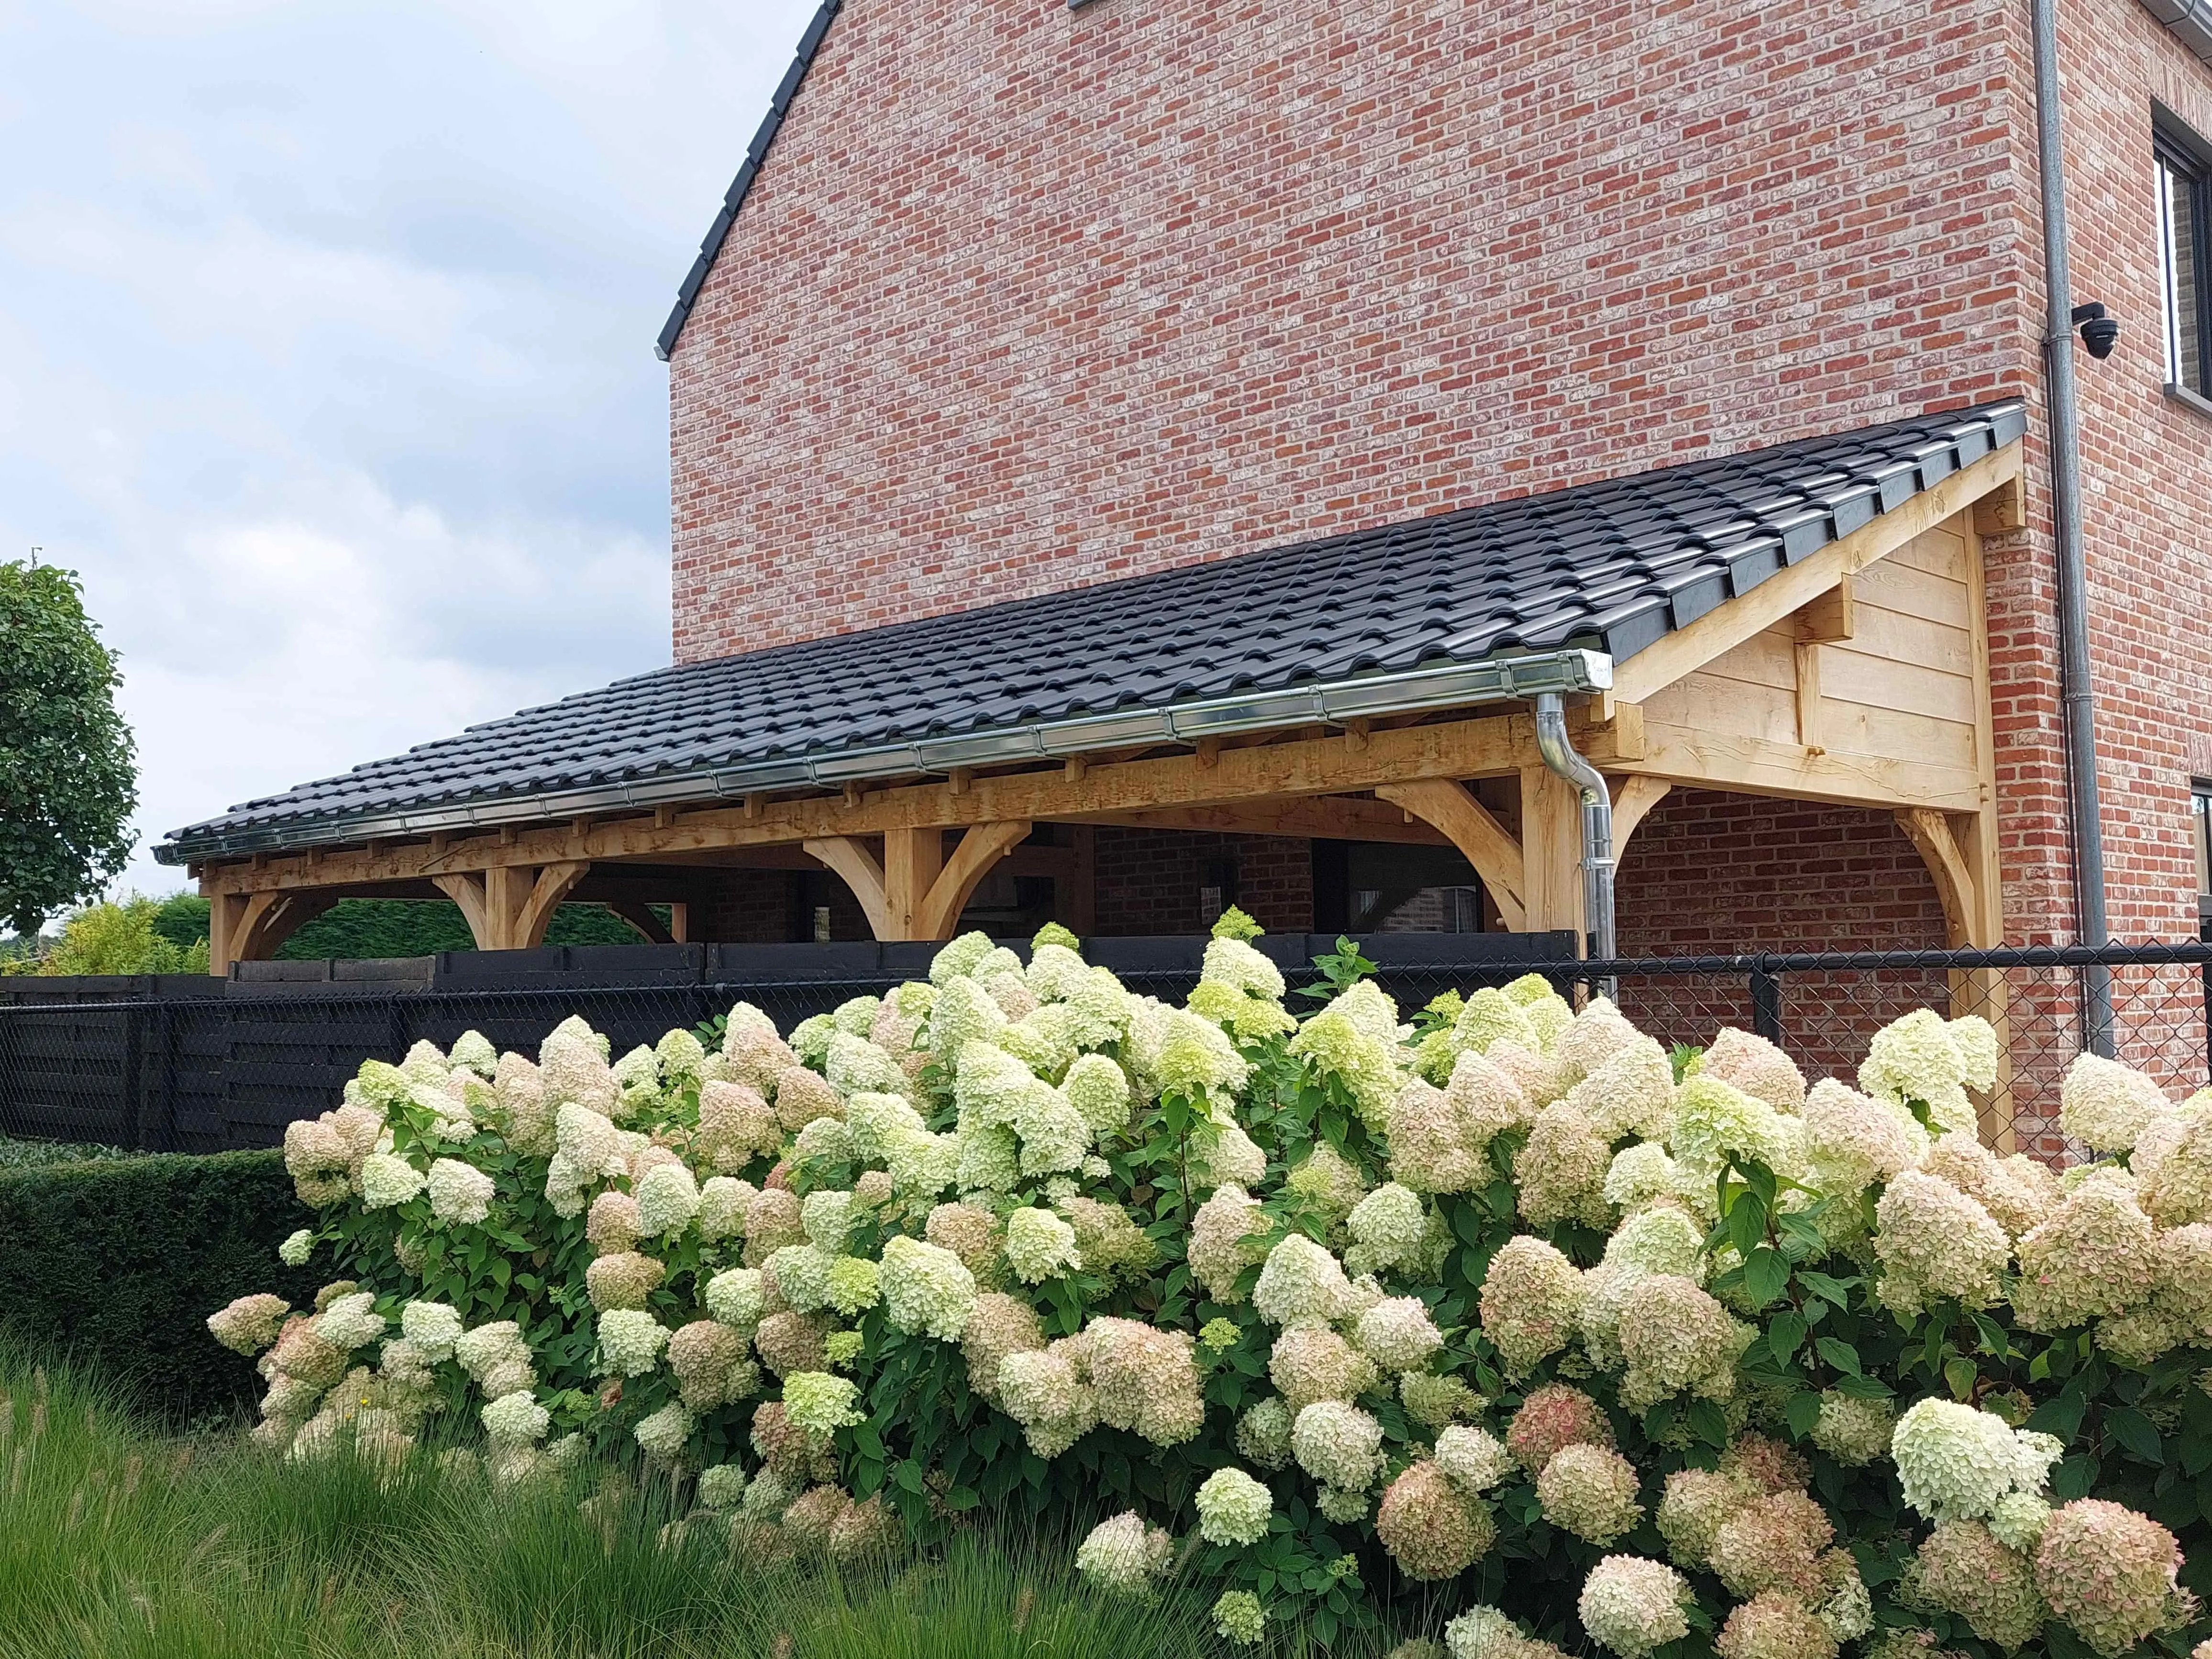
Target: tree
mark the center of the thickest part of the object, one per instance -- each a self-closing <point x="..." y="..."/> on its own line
<point x="68" y="782"/>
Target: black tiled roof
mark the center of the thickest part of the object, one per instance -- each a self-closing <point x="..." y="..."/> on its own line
<point x="1612" y="565"/>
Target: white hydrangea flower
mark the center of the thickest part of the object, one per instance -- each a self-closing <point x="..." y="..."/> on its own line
<point x="926" y="1289"/>
<point x="1040" y="1245"/>
<point x="1123" y="1556"/>
<point x="1473" y="1459"/>
<point x="722" y="1487"/>
<point x="295" y="1249"/>
<point x="631" y="1341"/>
<point x="1398" y="1335"/>
<point x="432" y="1326"/>
<point x="664" y="1435"/>
<point x="1955" y="1462"/>
<point x="460" y="1193"/>
<point x="667" y="1198"/>
<point x="1301" y="1284"/>
<point x="387" y="1180"/>
<point x="736" y="1298"/>
<point x="1390" y="1226"/>
<point x="1339" y="1445"/>
<point x="516" y="1419"/>
<point x="1233" y="1508"/>
<point x="1632" y="1605"/>
<point x="351" y="1320"/>
<point x="821" y="1403"/>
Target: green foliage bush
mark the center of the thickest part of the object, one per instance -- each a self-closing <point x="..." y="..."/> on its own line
<point x="1667" y="1353"/>
<point x="115" y="1262"/>
<point x="112" y="937"/>
<point x="355" y="930"/>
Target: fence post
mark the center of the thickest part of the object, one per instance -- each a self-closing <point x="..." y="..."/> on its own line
<point x="1765" y="1000"/>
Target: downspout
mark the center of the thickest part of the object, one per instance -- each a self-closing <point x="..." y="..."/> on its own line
<point x="1597" y="825"/>
<point x="2077" y="704"/>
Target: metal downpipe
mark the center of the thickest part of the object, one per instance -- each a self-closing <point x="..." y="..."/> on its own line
<point x="1597" y="825"/>
<point x="2077" y="702"/>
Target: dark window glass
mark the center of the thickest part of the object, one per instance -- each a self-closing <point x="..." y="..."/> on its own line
<point x="2183" y="187"/>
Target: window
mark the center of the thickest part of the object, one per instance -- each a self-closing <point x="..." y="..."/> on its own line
<point x="2184" y="186"/>
<point x="2200" y="813"/>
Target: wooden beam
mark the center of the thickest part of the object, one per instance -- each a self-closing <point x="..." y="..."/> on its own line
<point x="912" y="860"/>
<point x="1755" y="766"/>
<point x="1551" y="852"/>
<point x="1494" y="746"/>
<point x="1807" y="654"/>
<point x="1834" y="616"/>
<point x="1632" y="799"/>
<point x="553" y="883"/>
<point x="854" y="864"/>
<point x="466" y="890"/>
<point x="1721" y="629"/>
<point x="2004" y="510"/>
<point x="980" y="850"/>
<point x="1929" y="831"/>
<point x="508" y="907"/>
<point x="1076" y="895"/>
<point x="641" y="917"/>
<point x="1326" y="817"/>
<point x="1488" y="845"/>
<point x="250" y="928"/>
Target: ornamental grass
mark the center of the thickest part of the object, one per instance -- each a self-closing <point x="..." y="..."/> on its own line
<point x="1497" y="1328"/>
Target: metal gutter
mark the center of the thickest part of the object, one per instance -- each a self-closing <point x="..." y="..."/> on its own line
<point x="2077" y="702"/>
<point x="1421" y="690"/>
<point x="1597" y="861"/>
<point x="2190" y="21"/>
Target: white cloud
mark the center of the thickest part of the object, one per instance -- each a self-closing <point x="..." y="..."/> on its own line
<point x="325" y="353"/>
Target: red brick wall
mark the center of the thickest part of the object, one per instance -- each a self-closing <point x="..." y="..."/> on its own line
<point x="1027" y="298"/>
<point x="1149" y="880"/>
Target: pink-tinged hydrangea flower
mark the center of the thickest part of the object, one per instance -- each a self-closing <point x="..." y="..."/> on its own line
<point x="969" y="1232"/>
<point x="1124" y="1557"/>
<point x="1772" y="1543"/>
<point x="792" y="1456"/>
<point x="1768" y="1465"/>
<point x="460" y="1194"/>
<point x="773" y="1220"/>
<point x="804" y="1097"/>
<point x="1301" y="1284"/>
<point x="1233" y="1508"/>
<point x="1853" y="1140"/>
<point x="1936" y="1244"/>
<point x="1756" y="1066"/>
<point x="861" y="1530"/>
<point x="1429" y="1152"/>
<point x="624" y="1280"/>
<point x="2110" y="1573"/>
<point x="736" y="1125"/>
<point x="2017" y="1191"/>
<point x="1630" y="1093"/>
<point x="1145" y="1379"/>
<point x="1432" y="1530"/>
<point x="711" y="1364"/>
<point x="630" y="1342"/>
<point x="1530" y="1297"/>
<point x="2107" y="1104"/>
<point x="1955" y="1461"/>
<point x="2172" y="1160"/>
<point x="610" y="1225"/>
<point x="792" y="1342"/>
<point x="1339" y="1445"/>
<point x="1632" y="1605"/>
<point x="2092" y="1255"/>
<point x="1049" y="1395"/>
<point x="249" y="1324"/>
<point x="1853" y="1431"/>
<point x="1695" y="1505"/>
<point x="1561" y="1168"/>
<point x="999" y="1324"/>
<point x="1961" y="1569"/>
<point x="1474" y="1459"/>
<point x="1312" y="1362"/>
<point x="1676" y="1340"/>
<point x="1595" y="1035"/>
<point x="812" y="1518"/>
<point x="1773" y="1627"/>
<point x="1590" y="1491"/>
<point x="1398" y="1335"/>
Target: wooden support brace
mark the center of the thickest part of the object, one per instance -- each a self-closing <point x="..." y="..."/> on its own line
<point x="508" y="907"/>
<point x="641" y="917"/>
<point x="916" y="892"/>
<point x="1634" y="798"/>
<point x="1488" y="845"/>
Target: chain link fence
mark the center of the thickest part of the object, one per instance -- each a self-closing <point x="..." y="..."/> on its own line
<point x="172" y="1068"/>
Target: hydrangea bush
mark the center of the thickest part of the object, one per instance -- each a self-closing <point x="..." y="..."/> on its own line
<point x="1302" y="1309"/>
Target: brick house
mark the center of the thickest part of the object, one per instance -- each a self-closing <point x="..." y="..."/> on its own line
<point x="1052" y="365"/>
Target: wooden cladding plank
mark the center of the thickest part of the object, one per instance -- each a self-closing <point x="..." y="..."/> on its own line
<point x="1915" y="593"/>
<point x="1704" y="702"/>
<point x="1853" y="728"/>
<point x="1883" y="683"/>
<point x="1941" y="551"/>
<point x="1901" y="637"/>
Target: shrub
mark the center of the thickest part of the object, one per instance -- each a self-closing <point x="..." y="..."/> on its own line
<point x="1503" y="1299"/>
<point x="117" y="1262"/>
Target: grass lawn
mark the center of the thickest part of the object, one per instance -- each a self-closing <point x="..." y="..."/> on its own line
<point x="118" y="1539"/>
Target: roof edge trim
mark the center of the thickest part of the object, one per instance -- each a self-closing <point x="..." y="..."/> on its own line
<point x="2190" y="21"/>
<point x="809" y="43"/>
<point x="1421" y="690"/>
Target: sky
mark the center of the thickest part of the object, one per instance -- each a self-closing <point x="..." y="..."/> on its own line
<point x="327" y="353"/>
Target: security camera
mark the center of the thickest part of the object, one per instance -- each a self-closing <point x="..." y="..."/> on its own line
<point x="2099" y="333"/>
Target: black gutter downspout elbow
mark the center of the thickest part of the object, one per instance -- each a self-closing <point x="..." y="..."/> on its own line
<point x="2078" y="700"/>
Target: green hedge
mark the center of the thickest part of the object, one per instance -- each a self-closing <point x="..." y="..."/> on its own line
<point x="119" y="1264"/>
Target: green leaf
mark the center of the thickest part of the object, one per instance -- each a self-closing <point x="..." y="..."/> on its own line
<point x="1802" y="1411"/>
<point x="1840" y="1354"/>
<point x="1960" y="1376"/>
<point x="1746" y="1224"/>
<point x="1786" y="1333"/>
<point x="1994" y="1340"/>
<point x="2135" y="1432"/>
<point x="1766" y="1275"/>
<point x="1864" y="1388"/>
<point x="1825" y="1286"/>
